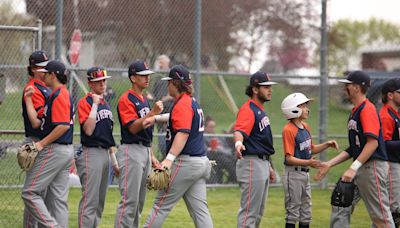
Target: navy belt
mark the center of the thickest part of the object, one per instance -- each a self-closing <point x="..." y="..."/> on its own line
<point x="264" y="157"/>
<point x="142" y="143"/>
<point x="303" y="169"/>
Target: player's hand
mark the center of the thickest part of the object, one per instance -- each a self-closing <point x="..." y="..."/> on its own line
<point x="333" y="144"/>
<point x="272" y="175"/>
<point x="349" y="175"/>
<point x="314" y="163"/>
<point x="155" y="163"/>
<point x="322" y="171"/>
<point x="96" y="98"/>
<point x="238" y="151"/>
<point x="116" y="170"/>
<point x="39" y="146"/>
<point x="29" y="91"/>
<point x="148" y="122"/>
<point x="166" y="163"/>
<point x="158" y="107"/>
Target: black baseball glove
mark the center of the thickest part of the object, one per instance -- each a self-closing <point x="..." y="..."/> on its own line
<point x="343" y="194"/>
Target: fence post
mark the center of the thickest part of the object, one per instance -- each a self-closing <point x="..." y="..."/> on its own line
<point x="197" y="49"/>
<point x="39" y="34"/>
<point x="323" y="92"/>
<point x="59" y="23"/>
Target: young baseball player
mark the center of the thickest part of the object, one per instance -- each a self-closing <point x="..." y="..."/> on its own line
<point x="51" y="168"/>
<point x="390" y="119"/>
<point x="96" y="120"/>
<point x="186" y="156"/>
<point x="135" y="155"/>
<point x="298" y="149"/>
<point x="39" y="95"/>
<point x="369" y="169"/>
<point x="253" y="147"/>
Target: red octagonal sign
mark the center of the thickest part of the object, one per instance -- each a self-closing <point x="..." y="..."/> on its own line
<point x="75" y="46"/>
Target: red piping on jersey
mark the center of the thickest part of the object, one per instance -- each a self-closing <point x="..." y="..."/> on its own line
<point x="86" y="187"/>
<point x="248" y="195"/>
<point x="153" y="216"/>
<point x="33" y="184"/>
<point x="379" y="196"/>
<point x="125" y="186"/>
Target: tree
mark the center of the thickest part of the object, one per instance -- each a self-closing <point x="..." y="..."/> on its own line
<point x="346" y="37"/>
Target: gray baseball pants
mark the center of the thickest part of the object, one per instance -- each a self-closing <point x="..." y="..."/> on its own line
<point x="135" y="164"/>
<point x="188" y="180"/>
<point x="253" y="177"/>
<point x="93" y="167"/>
<point x="372" y="180"/>
<point x="50" y="172"/>
<point x="297" y="189"/>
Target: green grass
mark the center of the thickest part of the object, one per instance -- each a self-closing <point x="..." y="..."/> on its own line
<point x="223" y="205"/>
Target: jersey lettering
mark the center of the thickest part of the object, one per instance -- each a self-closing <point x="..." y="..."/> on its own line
<point x="104" y="114"/>
<point x="352" y="125"/>
<point x="201" y="120"/>
<point x="143" y="112"/>
<point x="263" y="123"/>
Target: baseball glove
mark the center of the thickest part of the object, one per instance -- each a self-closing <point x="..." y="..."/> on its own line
<point x="343" y="194"/>
<point x="26" y="156"/>
<point x="158" y="179"/>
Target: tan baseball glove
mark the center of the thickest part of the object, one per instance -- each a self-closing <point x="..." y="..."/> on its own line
<point x="26" y="156"/>
<point x="158" y="179"/>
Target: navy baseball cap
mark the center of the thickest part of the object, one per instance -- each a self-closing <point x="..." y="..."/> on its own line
<point x="178" y="72"/>
<point x="97" y="74"/>
<point x="38" y="58"/>
<point x="357" y="77"/>
<point x="391" y="85"/>
<point x="54" y="66"/>
<point x="261" y="78"/>
<point x="139" y="67"/>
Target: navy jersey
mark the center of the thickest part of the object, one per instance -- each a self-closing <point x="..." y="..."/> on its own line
<point x="59" y="111"/>
<point x="391" y="129"/>
<point x="364" y="122"/>
<point x="187" y="116"/>
<point x="253" y="123"/>
<point x="39" y="98"/>
<point x="102" y="135"/>
<point x="297" y="142"/>
<point x="132" y="106"/>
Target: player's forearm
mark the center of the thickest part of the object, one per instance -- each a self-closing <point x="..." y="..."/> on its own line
<point x="237" y="136"/>
<point x="179" y="143"/>
<point x="290" y="160"/>
<point x="136" y="126"/>
<point x="368" y="150"/>
<point x="343" y="156"/>
<point x="56" y="133"/>
<point x="32" y="114"/>
<point x="89" y="126"/>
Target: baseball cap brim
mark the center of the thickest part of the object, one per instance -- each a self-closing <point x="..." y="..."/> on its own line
<point x="42" y="70"/>
<point x="166" y="79"/>
<point x="145" y="72"/>
<point x="267" y="83"/>
<point x="345" y="81"/>
<point x="42" y="64"/>
<point x="99" y="79"/>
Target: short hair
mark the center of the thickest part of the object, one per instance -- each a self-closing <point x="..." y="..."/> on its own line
<point x="249" y="90"/>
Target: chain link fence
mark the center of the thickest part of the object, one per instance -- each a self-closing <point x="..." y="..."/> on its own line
<point x="114" y="33"/>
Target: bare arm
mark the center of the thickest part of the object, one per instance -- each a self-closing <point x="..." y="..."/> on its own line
<point x="56" y="133"/>
<point x="291" y="160"/>
<point x="137" y="126"/>
<point x="239" y="147"/>
<point x="30" y="108"/>
<point x="177" y="146"/>
<point x="323" y="146"/>
<point x="90" y="123"/>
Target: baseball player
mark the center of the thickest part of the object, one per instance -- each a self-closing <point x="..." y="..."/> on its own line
<point x="186" y="156"/>
<point x="135" y="155"/>
<point x="40" y="93"/>
<point x="96" y="120"/>
<point x="390" y="119"/>
<point x="369" y="169"/>
<point x="298" y="149"/>
<point x="253" y="147"/>
<point x="51" y="168"/>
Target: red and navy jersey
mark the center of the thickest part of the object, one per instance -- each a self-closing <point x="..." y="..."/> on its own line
<point x="364" y="122"/>
<point x="39" y="99"/>
<point x="390" y="119"/>
<point x="187" y="116"/>
<point x="59" y="110"/>
<point x="253" y="123"/>
<point x="132" y="106"/>
<point x="102" y="135"/>
<point x="297" y="142"/>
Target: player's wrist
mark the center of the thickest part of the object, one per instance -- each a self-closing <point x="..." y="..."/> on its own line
<point x="93" y="111"/>
<point x="238" y="143"/>
<point x="356" y="165"/>
<point x="170" y="157"/>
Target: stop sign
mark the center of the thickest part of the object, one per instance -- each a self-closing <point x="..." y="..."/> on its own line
<point x="75" y="46"/>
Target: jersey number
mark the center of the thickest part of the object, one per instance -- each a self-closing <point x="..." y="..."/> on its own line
<point x="201" y="120"/>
